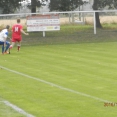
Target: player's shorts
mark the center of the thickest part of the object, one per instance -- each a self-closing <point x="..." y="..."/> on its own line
<point x="16" y="39"/>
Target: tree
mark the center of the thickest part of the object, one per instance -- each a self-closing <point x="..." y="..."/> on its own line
<point x="64" y="5"/>
<point x="9" y="6"/>
<point x="101" y="4"/>
<point x="96" y="5"/>
<point x="36" y="3"/>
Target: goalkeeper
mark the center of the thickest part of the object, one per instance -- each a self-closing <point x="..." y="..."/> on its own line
<point x="3" y="37"/>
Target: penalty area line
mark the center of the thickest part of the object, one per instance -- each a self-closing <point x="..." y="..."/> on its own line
<point x="55" y="85"/>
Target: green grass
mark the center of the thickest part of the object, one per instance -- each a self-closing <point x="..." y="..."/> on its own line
<point x="87" y="68"/>
<point x="6" y="111"/>
<point x="73" y="34"/>
<point x="68" y="73"/>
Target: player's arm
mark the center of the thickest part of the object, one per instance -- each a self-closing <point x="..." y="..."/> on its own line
<point x="24" y="32"/>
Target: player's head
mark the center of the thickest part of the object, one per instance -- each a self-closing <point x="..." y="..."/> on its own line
<point x="18" y="20"/>
<point x="7" y="27"/>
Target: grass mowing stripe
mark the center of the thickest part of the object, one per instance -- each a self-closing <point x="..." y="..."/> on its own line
<point x="58" y="86"/>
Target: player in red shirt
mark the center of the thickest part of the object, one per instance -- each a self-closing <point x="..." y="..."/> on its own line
<point x="17" y="29"/>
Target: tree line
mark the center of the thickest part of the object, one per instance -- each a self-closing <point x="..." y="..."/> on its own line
<point x="10" y="6"/>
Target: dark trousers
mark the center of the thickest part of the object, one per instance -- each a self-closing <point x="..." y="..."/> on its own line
<point x="4" y="49"/>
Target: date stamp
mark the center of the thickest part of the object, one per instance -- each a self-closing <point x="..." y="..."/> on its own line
<point x="110" y="104"/>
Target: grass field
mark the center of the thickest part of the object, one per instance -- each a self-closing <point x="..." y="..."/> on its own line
<point x="71" y="73"/>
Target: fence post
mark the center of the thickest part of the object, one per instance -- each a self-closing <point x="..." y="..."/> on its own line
<point x="94" y="20"/>
<point x="43" y="33"/>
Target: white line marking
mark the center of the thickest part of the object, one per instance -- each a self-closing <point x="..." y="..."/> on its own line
<point x="52" y="84"/>
<point x="17" y="109"/>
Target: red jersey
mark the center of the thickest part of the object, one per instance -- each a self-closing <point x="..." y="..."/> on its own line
<point x="16" y="34"/>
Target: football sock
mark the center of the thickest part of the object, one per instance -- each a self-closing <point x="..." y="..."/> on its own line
<point x="18" y="47"/>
